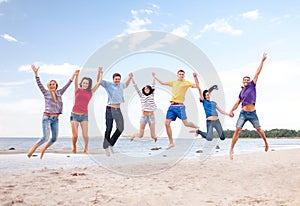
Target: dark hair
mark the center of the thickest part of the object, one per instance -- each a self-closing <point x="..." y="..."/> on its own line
<point x="90" y="83"/>
<point x="150" y="88"/>
<point x="116" y="75"/>
<point x="204" y="93"/>
<point x="246" y="77"/>
<point x="180" y="70"/>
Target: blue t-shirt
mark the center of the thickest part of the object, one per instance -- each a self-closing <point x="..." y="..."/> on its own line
<point x="248" y="94"/>
<point x="114" y="91"/>
<point x="209" y="108"/>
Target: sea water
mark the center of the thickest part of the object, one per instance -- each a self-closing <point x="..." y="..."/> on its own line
<point x="13" y="151"/>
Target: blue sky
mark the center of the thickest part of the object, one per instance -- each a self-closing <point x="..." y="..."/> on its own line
<point x="61" y="35"/>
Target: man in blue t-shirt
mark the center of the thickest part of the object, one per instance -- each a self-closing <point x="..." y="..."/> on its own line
<point x="115" y="92"/>
<point x="247" y="97"/>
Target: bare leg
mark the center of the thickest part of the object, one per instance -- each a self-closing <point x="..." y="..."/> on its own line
<point x="152" y="131"/>
<point x="169" y="133"/>
<point x="84" y="128"/>
<point x="43" y="150"/>
<point x="234" y="140"/>
<point x="74" y="126"/>
<point x="140" y="134"/>
<point x="32" y="150"/>
<point x="194" y="131"/>
<point x="189" y="124"/>
<point x="74" y="141"/>
<point x="262" y="134"/>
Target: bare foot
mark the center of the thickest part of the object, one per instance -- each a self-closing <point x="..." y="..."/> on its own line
<point x="29" y="154"/>
<point x="170" y="146"/>
<point x="154" y="138"/>
<point x="42" y="153"/>
<point x="266" y="147"/>
<point x="32" y="150"/>
<point x="231" y="154"/>
<point x="74" y="150"/>
<point x="194" y="131"/>
<point x="132" y="138"/>
<point x="111" y="150"/>
<point x="85" y="151"/>
<point x="107" y="152"/>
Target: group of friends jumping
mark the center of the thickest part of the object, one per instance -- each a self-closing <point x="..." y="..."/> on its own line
<point x="113" y="114"/>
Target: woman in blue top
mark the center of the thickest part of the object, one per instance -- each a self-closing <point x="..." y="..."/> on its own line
<point x="212" y="119"/>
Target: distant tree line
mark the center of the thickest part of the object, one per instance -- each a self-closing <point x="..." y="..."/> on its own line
<point x="273" y="133"/>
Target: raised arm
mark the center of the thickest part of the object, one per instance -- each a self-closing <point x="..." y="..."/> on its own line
<point x="198" y="86"/>
<point x="195" y="85"/>
<point x="75" y="74"/>
<point x="99" y="79"/>
<point x="130" y="75"/>
<point x="136" y="87"/>
<point x="76" y="83"/>
<point x="153" y="83"/>
<point x="37" y="78"/>
<point x="35" y="70"/>
<point x="62" y="90"/>
<point x="264" y="57"/>
<point x="162" y="83"/>
<point x="212" y="88"/>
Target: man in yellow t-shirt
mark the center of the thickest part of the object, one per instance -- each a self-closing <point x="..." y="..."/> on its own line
<point x="177" y="108"/>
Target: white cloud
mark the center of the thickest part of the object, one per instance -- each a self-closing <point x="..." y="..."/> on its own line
<point x="137" y="23"/>
<point x="140" y="19"/>
<point x="12" y="84"/>
<point x="155" y="6"/>
<point x="280" y="19"/>
<point x="6" y="88"/>
<point x="4" y="92"/>
<point x="183" y="30"/>
<point x="253" y="15"/>
<point x="221" y="26"/>
<point x="9" y="38"/>
<point x="146" y="11"/>
<point x="65" y="69"/>
<point x="4" y="1"/>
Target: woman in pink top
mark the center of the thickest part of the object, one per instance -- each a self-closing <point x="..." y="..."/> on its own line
<point x="79" y="114"/>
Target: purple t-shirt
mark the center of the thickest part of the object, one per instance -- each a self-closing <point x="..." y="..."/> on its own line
<point x="248" y="94"/>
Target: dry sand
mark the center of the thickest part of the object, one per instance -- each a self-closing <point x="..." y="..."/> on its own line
<point x="271" y="178"/>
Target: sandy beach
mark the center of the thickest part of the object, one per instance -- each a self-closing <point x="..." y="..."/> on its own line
<point x="270" y="178"/>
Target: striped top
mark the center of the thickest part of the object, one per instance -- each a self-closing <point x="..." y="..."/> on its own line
<point x="51" y="106"/>
<point x="148" y="103"/>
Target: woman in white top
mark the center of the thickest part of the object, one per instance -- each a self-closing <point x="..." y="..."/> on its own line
<point x="148" y="106"/>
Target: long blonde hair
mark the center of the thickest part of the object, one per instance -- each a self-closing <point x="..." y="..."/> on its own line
<point x="54" y="96"/>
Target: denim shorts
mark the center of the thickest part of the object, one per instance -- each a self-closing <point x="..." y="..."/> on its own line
<point x="176" y="111"/>
<point x="147" y="119"/>
<point x="248" y="116"/>
<point x="79" y="117"/>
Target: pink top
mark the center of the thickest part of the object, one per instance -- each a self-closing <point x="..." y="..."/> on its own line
<point x="82" y="99"/>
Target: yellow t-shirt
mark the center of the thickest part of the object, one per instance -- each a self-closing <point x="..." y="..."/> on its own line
<point x="179" y="89"/>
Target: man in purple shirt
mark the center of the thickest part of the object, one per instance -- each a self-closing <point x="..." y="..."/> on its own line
<point x="248" y="113"/>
